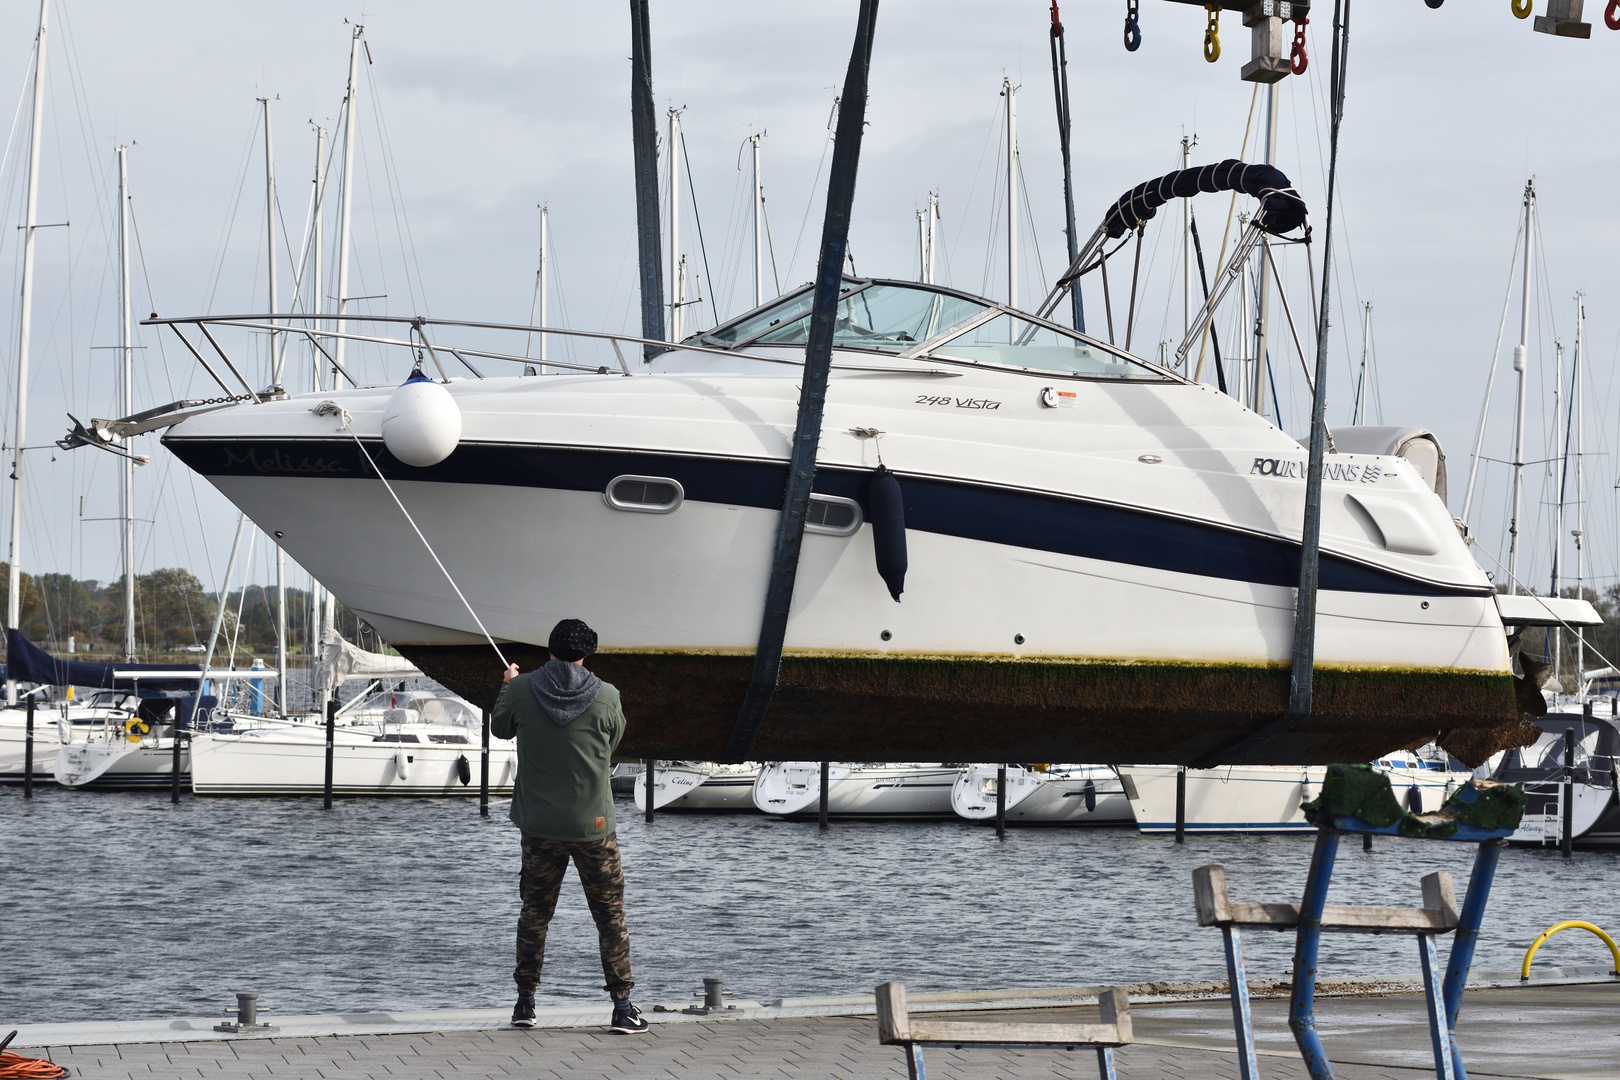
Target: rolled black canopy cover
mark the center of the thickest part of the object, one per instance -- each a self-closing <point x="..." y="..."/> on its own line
<point x="1281" y="208"/>
<point x="888" y="516"/>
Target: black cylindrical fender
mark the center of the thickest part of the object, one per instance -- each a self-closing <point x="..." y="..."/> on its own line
<point x="463" y="770"/>
<point x="888" y="519"/>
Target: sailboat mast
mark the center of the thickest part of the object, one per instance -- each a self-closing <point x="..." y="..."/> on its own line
<point x="922" y="249"/>
<point x="1578" y="392"/>
<point x="676" y="295"/>
<point x="316" y="302"/>
<point x="1359" y="412"/>
<point x="933" y="219"/>
<point x="346" y="203"/>
<point x="270" y="233"/>
<point x="1010" y="92"/>
<point x="1263" y="289"/>
<point x="540" y="281"/>
<point x="14" y="580"/>
<point x="1521" y="353"/>
<point x="1187" y="308"/>
<point x="127" y="355"/>
<point x="759" y="229"/>
<point x="1561" y="460"/>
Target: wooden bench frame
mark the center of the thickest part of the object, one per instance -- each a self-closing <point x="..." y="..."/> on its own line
<point x="897" y="1028"/>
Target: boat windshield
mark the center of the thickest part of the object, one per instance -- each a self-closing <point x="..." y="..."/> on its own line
<point x="890" y="318"/>
<point x="1008" y="341"/>
<point x="897" y="317"/>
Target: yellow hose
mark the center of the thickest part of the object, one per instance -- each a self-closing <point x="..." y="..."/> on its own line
<point x="1571" y="924"/>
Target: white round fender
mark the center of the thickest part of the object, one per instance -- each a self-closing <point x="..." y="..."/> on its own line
<point x="421" y="423"/>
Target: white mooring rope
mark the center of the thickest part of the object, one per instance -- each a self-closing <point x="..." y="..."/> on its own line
<point x="332" y="408"/>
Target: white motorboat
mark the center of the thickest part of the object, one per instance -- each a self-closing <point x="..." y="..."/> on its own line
<point x="1040" y="473"/>
<point x="1044" y="795"/>
<point x="1268" y="798"/>
<point x="699" y="786"/>
<point x="1594" y="790"/>
<point x="901" y="790"/>
<point x="423" y="744"/>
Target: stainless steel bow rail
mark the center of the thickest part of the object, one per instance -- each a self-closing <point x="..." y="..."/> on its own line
<point x="897" y="1028"/>
<point x="1312" y="916"/>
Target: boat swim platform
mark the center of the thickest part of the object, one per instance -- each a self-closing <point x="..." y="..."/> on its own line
<point x="1564" y="1024"/>
<point x="684" y="706"/>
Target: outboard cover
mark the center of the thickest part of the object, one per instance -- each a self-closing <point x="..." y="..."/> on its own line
<point x="421" y="423"/>
<point x="888" y="517"/>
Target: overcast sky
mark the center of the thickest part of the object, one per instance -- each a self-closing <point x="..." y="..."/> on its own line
<point x="472" y="115"/>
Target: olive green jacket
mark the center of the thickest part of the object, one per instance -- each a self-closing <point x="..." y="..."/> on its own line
<point x="562" y="791"/>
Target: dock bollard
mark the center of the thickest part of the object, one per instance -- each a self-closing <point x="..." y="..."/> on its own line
<point x="247" y="1016"/>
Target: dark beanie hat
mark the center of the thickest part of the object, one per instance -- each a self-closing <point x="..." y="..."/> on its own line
<point x="571" y="640"/>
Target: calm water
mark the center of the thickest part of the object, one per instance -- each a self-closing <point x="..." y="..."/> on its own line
<point x="124" y="907"/>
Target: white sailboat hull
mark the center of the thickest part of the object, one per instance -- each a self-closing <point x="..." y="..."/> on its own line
<point x="118" y="764"/>
<point x="1061" y="795"/>
<point x="870" y="791"/>
<point x="1262" y="798"/>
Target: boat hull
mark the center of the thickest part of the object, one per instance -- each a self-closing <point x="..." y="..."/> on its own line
<point x="1062" y="795"/>
<point x="875" y="791"/>
<point x="118" y="765"/>
<point x="283" y="763"/>
<point x="1117" y="589"/>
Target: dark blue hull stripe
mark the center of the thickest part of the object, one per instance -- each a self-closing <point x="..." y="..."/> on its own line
<point x="1034" y="520"/>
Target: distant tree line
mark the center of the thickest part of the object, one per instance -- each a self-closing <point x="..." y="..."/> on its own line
<point x="172" y="611"/>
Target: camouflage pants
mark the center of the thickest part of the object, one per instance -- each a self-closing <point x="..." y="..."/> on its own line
<point x="602" y="874"/>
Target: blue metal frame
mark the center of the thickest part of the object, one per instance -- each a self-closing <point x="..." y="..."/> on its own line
<point x="914" y="1058"/>
<point x="1443" y="999"/>
<point x="1462" y="945"/>
<point x="1242" y="1020"/>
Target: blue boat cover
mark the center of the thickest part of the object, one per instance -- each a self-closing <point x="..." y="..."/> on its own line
<point x="1281" y="208"/>
<point x="27" y="662"/>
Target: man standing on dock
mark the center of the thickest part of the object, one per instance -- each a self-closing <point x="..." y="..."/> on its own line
<point x="567" y="723"/>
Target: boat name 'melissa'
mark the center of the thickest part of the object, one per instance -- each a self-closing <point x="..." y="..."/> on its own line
<point x="1367" y="474"/>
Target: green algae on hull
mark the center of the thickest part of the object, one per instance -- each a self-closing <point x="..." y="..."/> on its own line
<point x="899" y="708"/>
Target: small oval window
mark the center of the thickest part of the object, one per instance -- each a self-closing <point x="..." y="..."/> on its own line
<point x="645" y="494"/>
<point x="832" y="515"/>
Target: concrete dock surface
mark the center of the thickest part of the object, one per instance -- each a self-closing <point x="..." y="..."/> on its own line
<point x="1562" y="1030"/>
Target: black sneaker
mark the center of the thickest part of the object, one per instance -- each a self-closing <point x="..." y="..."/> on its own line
<point x="627" y="1019"/>
<point x="523" y="1011"/>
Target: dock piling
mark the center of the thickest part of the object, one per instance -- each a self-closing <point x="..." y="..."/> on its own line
<point x="822" y="816"/>
<point x="1001" y="802"/>
<point x="651" y="767"/>
<point x="28" y="753"/>
<point x="1181" y="804"/>
<point x="174" y="763"/>
<point x="1566" y="841"/>
<point x="483" y="771"/>
<point x="331" y="725"/>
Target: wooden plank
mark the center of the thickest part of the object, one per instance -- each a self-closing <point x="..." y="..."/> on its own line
<point x="965" y="1032"/>
<point x="1209" y="895"/>
<point x="1439" y="894"/>
<point x="893" y="1024"/>
<point x="1347" y="917"/>
<point x="1115" y="1005"/>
